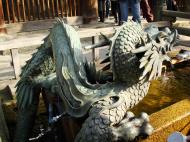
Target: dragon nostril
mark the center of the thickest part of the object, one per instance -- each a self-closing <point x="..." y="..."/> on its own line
<point x="163" y="51"/>
<point x="139" y="55"/>
<point x="114" y="98"/>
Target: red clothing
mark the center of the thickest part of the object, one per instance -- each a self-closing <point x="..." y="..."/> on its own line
<point x="147" y="7"/>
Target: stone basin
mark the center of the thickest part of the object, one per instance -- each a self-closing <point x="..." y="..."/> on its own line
<point x="168" y="103"/>
<point x="171" y="88"/>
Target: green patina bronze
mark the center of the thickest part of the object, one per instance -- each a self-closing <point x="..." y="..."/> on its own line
<point x="59" y="67"/>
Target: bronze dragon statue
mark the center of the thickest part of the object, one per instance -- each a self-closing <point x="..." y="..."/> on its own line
<point x="59" y="67"/>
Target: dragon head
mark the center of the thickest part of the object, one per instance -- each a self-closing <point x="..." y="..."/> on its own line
<point x="155" y="51"/>
<point x="137" y="53"/>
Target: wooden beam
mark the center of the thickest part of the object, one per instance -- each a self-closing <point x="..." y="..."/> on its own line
<point x="29" y="9"/>
<point x="16" y="62"/>
<point x="184" y="43"/>
<point x="18" y="10"/>
<point x="48" y="8"/>
<point x="61" y="8"/>
<point x="53" y="8"/>
<point x="158" y="24"/>
<point x="7" y="73"/>
<point x="95" y="53"/>
<point x="33" y="10"/>
<point x="2" y="22"/>
<point x="83" y="33"/>
<point x="57" y="7"/>
<point x="75" y="7"/>
<point x="23" y="10"/>
<point x="183" y="31"/>
<point x="8" y="11"/>
<point x="1" y="13"/>
<point x="38" y="9"/>
<point x="170" y="13"/>
<point x="79" y="8"/>
<point x="70" y="7"/>
<point x="43" y="9"/>
<point x="7" y="45"/>
<point x="66" y="8"/>
<point x="13" y="10"/>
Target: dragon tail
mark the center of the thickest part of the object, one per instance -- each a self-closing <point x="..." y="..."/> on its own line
<point x="39" y="66"/>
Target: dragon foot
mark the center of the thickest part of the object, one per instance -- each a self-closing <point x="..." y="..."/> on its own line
<point x="132" y="127"/>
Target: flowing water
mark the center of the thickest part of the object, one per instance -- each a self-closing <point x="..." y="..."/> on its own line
<point x="169" y="89"/>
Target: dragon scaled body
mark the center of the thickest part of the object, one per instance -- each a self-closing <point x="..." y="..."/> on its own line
<point x="59" y="67"/>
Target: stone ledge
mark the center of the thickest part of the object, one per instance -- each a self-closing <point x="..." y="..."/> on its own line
<point x="168" y="120"/>
<point x="46" y="24"/>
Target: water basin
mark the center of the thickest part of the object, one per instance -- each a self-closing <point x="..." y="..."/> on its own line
<point x="169" y="89"/>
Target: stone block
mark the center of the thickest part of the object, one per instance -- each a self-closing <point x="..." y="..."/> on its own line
<point x="168" y="120"/>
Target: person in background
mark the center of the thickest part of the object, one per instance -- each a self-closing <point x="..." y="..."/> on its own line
<point x="147" y="10"/>
<point x="171" y="5"/>
<point x="101" y="10"/>
<point x="107" y="2"/>
<point x="135" y="9"/>
<point x="115" y="10"/>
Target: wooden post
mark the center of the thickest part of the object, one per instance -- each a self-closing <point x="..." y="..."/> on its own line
<point x="89" y="10"/>
<point x="16" y="62"/>
<point x="2" y="22"/>
<point x="95" y="53"/>
<point x="171" y="13"/>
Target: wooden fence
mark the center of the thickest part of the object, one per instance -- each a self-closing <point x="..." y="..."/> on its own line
<point x="29" y="10"/>
<point x="185" y="15"/>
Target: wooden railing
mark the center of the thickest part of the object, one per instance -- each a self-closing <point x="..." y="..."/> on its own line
<point x="28" y="10"/>
<point x="185" y="15"/>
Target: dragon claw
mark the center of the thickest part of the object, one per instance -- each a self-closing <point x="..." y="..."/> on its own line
<point x="134" y="127"/>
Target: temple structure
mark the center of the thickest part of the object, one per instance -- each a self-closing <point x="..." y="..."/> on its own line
<point x="33" y="10"/>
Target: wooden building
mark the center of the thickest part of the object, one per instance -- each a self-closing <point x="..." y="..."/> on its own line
<point x="14" y="11"/>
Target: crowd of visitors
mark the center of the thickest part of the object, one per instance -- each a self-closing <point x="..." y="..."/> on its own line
<point x="120" y="9"/>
